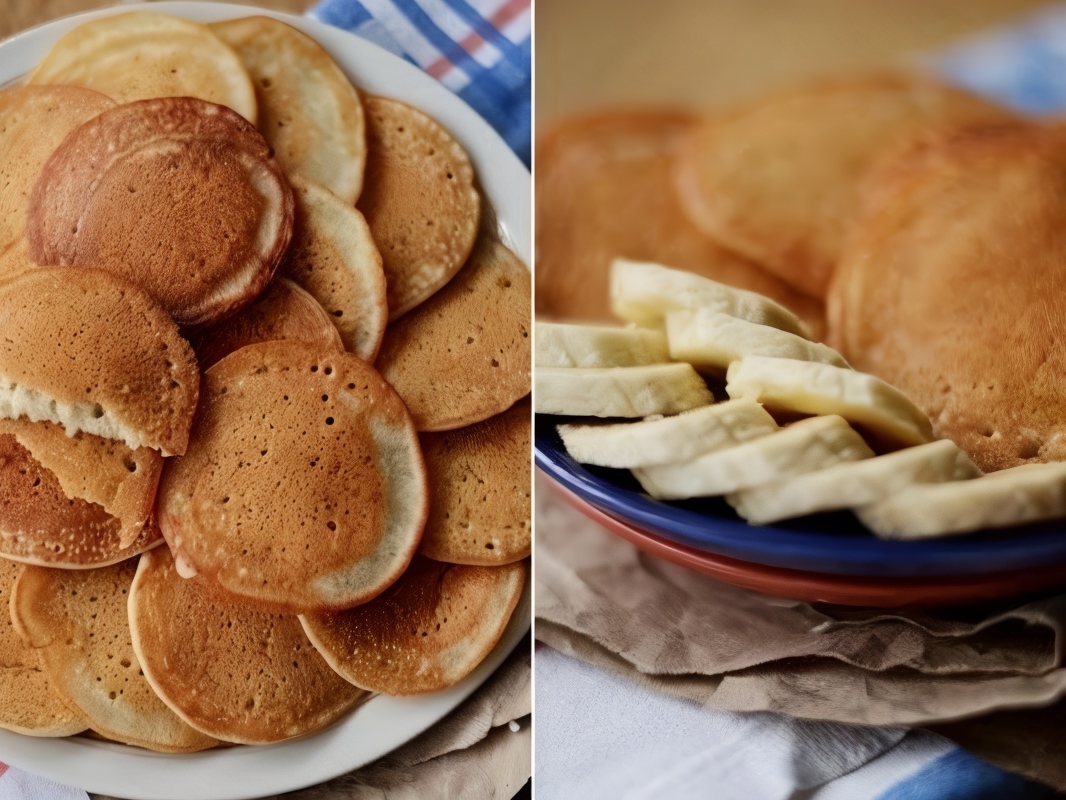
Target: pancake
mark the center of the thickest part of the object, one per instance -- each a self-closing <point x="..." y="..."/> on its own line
<point x="604" y="190"/>
<point x="79" y="624"/>
<point x="15" y="260"/>
<point x="182" y="197"/>
<point x="333" y="256"/>
<point x="283" y="311"/>
<point x="102" y="471"/>
<point x="87" y="350"/>
<point x="34" y="121"/>
<point x="308" y="110"/>
<point x="238" y="675"/>
<point x="479" y="480"/>
<point x="141" y="55"/>
<point x="952" y="290"/>
<point x="427" y="632"/>
<point x="777" y="180"/>
<point x="419" y="200"/>
<point x="29" y="703"/>
<point x="464" y="355"/>
<point x="303" y="488"/>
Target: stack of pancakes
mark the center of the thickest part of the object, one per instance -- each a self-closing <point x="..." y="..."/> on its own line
<point x="225" y="516"/>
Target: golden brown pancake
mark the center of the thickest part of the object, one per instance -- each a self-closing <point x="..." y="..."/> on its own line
<point x="333" y="256"/>
<point x="604" y="191"/>
<point x="29" y="703"/>
<point x="303" y="486"/>
<point x="479" y="481"/>
<point x="141" y="55"/>
<point x="86" y="349"/>
<point x="777" y="180"/>
<point x="79" y="624"/>
<point x="427" y="632"/>
<point x="419" y="199"/>
<point x="238" y="675"/>
<point x="308" y="110"/>
<point x="34" y="121"/>
<point x="952" y="289"/>
<point x="464" y="355"/>
<point x="283" y="311"/>
<point x="15" y="260"/>
<point x="180" y="196"/>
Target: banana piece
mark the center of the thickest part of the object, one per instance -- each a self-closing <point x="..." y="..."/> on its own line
<point x="561" y="345"/>
<point x="809" y="388"/>
<point x="619" y="391"/>
<point x="660" y="441"/>
<point x="644" y="293"/>
<point x="851" y="485"/>
<point x="1014" y="496"/>
<point x="804" y="446"/>
<point x="711" y="341"/>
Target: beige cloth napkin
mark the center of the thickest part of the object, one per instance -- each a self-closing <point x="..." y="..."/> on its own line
<point x="600" y="599"/>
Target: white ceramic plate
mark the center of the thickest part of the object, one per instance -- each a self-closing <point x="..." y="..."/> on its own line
<point x="384" y="723"/>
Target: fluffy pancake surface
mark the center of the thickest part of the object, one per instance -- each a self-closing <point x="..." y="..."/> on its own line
<point x="479" y="491"/>
<point x="177" y="195"/>
<point x="86" y="349"/>
<point x="778" y="180"/>
<point x="239" y="675"/>
<point x="419" y="200"/>
<point x="79" y="624"/>
<point x="426" y="632"/>
<point x="952" y="290"/>
<point x="464" y="355"/>
<point x="303" y="487"/>
<point x="142" y="55"/>
<point x="308" y="110"/>
<point x="604" y="191"/>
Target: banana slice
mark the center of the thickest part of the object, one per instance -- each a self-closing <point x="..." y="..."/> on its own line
<point x="804" y="446"/>
<point x="661" y="441"/>
<point x="851" y="485"/>
<point x="809" y="388"/>
<point x="1012" y="496"/>
<point x="644" y="293"/>
<point x="560" y="345"/>
<point x="711" y="341"/>
<point x="620" y="391"/>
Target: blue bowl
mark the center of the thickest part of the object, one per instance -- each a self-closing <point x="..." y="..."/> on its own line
<point x="827" y="543"/>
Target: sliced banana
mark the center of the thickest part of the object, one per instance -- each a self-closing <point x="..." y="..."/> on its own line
<point x="598" y="346"/>
<point x="620" y="391"/>
<point x="851" y="485"/>
<point x="644" y="293"/>
<point x="809" y="388"/>
<point x="711" y="341"/>
<point x="804" y="446"/>
<point x="1012" y="496"/>
<point x="660" y="441"/>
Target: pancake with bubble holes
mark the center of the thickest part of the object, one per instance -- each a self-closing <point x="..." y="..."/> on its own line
<point x="34" y="121"/>
<point x="308" y="109"/>
<point x="283" y="311"/>
<point x="29" y="703"/>
<point x="333" y="256"/>
<point x="236" y="674"/>
<point x="778" y="179"/>
<point x="79" y="624"/>
<point x="605" y="190"/>
<point x="303" y="488"/>
<point x="180" y="196"/>
<point x="427" y="632"/>
<point x="419" y="200"/>
<point x="479" y="479"/>
<point x="142" y="55"/>
<point x="92" y="352"/>
<point x="952" y="289"/>
<point x="464" y="355"/>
